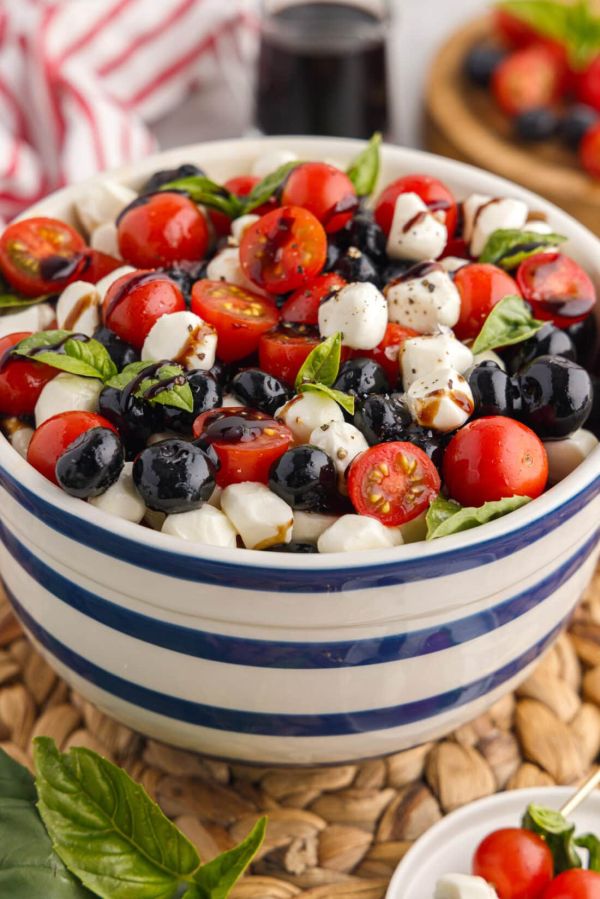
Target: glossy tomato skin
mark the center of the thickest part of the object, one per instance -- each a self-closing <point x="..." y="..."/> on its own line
<point x="481" y="285"/>
<point x="575" y="884"/>
<point x="514" y="30"/>
<point x="529" y="79"/>
<point x="324" y="190"/>
<point x="21" y="380"/>
<point x="434" y="194"/>
<point x="283" y="249"/>
<point x="387" y="353"/>
<point x="557" y="288"/>
<point x="238" y="315"/>
<point x="516" y="862"/>
<point x="492" y="458"/>
<point x="56" y="434"/>
<point x="393" y="482"/>
<point x="97" y="265"/>
<point x="135" y="302"/>
<point x="588" y="85"/>
<point x="240" y="186"/>
<point x="589" y="151"/>
<point x="161" y="229"/>
<point x="283" y="351"/>
<point x="302" y="307"/>
<point x="40" y="255"/>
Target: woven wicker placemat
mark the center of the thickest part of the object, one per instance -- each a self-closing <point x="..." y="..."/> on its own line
<point x="333" y="832"/>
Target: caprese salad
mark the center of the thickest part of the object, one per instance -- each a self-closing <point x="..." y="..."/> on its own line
<point x="293" y="362"/>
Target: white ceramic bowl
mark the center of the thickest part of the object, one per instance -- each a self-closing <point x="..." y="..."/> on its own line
<point x="296" y="659"/>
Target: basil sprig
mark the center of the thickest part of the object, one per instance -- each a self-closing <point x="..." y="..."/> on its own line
<point x="364" y="170"/>
<point x="70" y="352"/>
<point x="446" y="516"/>
<point x="177" y="391"/>
<point x="11" y="301"/>
<point x="320" y="370"/>
<point x="268" y="187"/>
<point x="574" y="25"/>
<point x="507" y="248"/>
<point x="509" y="322"/>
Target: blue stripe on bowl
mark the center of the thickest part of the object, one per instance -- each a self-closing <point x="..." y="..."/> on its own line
<point x="292" y="655"/>
<point x="276" y="724"/>
<point x="290" y="580"/>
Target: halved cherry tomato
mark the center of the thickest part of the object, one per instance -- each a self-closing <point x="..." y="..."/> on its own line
<point x="135" y="302"/>
<point x="283" y="249"/>
<point x="517" y="862"/>
<point x="387" y="352"/>
<point x="589" y="150"/>
<point x="481" y="286"/>
<point x="393" y="482"/>
<point x="558" y="289"/>
<point x="240" y="187"/>
<point x="162" y="228"/>
<point x="324" y="190"/>
<point x="246" y="442"/>
<point x="56" y="434"/>
<point x="588" y="85"/>
<point x="282" y="352"/>
<point x="41" y="255"/>
<point x="302" y="307"/>
<point x="434" y="194"/>
<point x="238" y="315"/>
<point x="493" y="458"/>
<point x="97" y="265"/>
<point x="575" y="884"/>
<point x="459" y="247"/>
<point x="528" y="79"/>
<point x="21" y="380"/>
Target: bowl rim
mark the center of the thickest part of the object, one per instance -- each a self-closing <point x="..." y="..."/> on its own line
<point x="578" y="487"/>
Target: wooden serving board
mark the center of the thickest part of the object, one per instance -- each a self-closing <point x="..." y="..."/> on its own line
<point x="463" y="122"/>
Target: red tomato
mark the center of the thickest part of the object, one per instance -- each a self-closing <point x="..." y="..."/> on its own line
<point x="528" y="79"/>
<point x="53" y="437"/>
<point x="247" y="442"/>
<point x="433" y="192"/>
<point x="303" y="305"/>
<point x="135" y="302"/>
<point x="324" y="190"/>
<point x="515" y="31"/>
<point x="575" y="884"/>
<point x="162" y="228"/>
<point x="492" y="458"/>
<point x="589" y="151"/>
<point x="283" y="351"/>
<point x="98" y="265"/>
<point x="21" y="380"/>
<point x="240" y="187"/>
<point x="387" y="352"/>
<point x="588" y="85"/>
<point x="40" y="255"/>
<point x="516" y="862"/>
<point x="238" y="315"/>
<point x="558" y="289"/>
<point x="459" y="247"/>
<point x="283" y="249"/>
<point x="481" y="286"/>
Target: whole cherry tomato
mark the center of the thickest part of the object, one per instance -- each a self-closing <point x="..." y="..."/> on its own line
<point x="135" y="302"/>
<point x="528" y="79"/>
<point x="481" y="286"/>
<point x="575" y="884"/>
<point x="302" y="307"/>
<point x="588" y="85"/>
<point x="21" y="380"/>
<point x="41" y="255"/>
<point x="387" y="353"/>
<point x="283" y="351"/>
<point x="324" y="190"/>
<point x="516" y="862"/>
<point x="434" y="194"/>
<point x="238" y="315"/>
<point x="557" y="288"/>
<point x="589" y="151"/>
<point x="56" y="434"/>
<point x="161" y="229"/>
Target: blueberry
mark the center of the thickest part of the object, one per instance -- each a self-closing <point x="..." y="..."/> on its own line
<point x="536" y="124"/>
<point x="395" y="269"/>
<point x="585" y="339"/>
<point x="363" y="232"/>
<point x="360" y="377"/>
<point x="222" y="373"/>
<point x="185" y="275"/>
<point x="492" y="389"/>
<point x="593" y="422"/>
<point x="293" y="547"/>
<point x="156" y="181"/>
<point x="207" y="395"/>
<point x="431" y="442"/>
<point x="260" y="390"/>
<point x="557" y="396"/>
<point x="174" y="476"/>
<point x="135" y="419"/>
<point x="354" y="265"/>
<point x="576" y="121"/>
<point x="305" y="477"/>
<point x="382" y="417"/>
<point x="548" y="341"/>
<point x="333" y="254"/>
<point x="120" y="352"/>
<point x="482" y="61"/>
<point x="91" y="463"/>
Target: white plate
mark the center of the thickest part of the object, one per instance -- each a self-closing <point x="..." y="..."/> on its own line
<point x="448" y="847"/>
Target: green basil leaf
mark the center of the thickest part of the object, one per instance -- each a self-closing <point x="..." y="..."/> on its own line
<point x="206" y="192"/>
<point x="106" y="829"/>
<point x="345" y="400"/>
<point x="558" y="834"/>
<point x="130" y="371"/>
<point x="364" y="170"/>
<point x="509" y="322"/>
<point x="178" y="395"/>
<point x="507" y="248"/>
<point x="590" y="842"/>
<point x="16" y="782"/>
<point x="87" y="358"/>
<point x="323" y="363"/>
<point x="442" y="521"/>
<point x="575" y="25"/>
<point x="269" y="185"/>
<point x="11" y="302"/>
<point x="216" y="879"/>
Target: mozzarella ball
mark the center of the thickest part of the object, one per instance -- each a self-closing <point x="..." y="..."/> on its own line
<point x="442" y="400"/>
<point x="538" y="227"/>
<point x="34" y="318"/>
<point x="66" y="393"/>
<point x="78" y="308"/>
<point x="239" y="225"/>
<point x="105" y="239"/>
<point x="355" y="533"/>
<point x="359" y="311"/>
<point x="270" y="161"/>
<point x="489" y="356"/>
<point x="183" y="337"/>
<point x="484" y="215"/>
<point x="308" y="526"/>
<point x="307" y="411"/>
<point x="121" y="498"/>
<point x="416" y="233"/>
<point x="215" y="497"/>
<point x="452" y="264"/>
<point x="463" y="886"/>
<point x="261" y="518"/>
<point x="341" y="441"/>
<point x="230" y="401"/>
<point x="107" y="281"/>
<point x="102" y="202"/>
<point x="204" y="525"/>
<point x="421" y="355"/>
<point x="424" y="302"/>
<point x="20" y="439"/>
<point x="565" y="455"/>
<point x="225" y="266"/>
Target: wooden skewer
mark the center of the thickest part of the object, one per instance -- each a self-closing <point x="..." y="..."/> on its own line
<point x="582" y="793"/>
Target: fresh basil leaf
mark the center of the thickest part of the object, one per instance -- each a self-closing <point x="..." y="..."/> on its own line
<point x="202" y="190"/>
<point x="178" y="395"/>
<point x="40" y="339"/>
<point x="216" y="879"/>
<point x="12" y="303"/>
<point x="558" y="834"/>
<point x="323" y="363"/>
<point x="269" y="186"/>
<point x="575" y="25"/>
<point x="16" y="782"/>
<point x="345" y="400"/>
<point x="442" y="522"/>
<point x="364" y="170"/>
<point x="509" y="322"/>
<point x="130" y="371"/>
<point x="106" y="829"/>
<point x="87" y="358"/>
<point x="507" y="248"/>
<point x="590" y="842"/>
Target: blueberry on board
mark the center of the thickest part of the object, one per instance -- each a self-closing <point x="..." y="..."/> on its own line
<point x="536" y="124"/>
<point x="557" y="396"/>
<point x="156" y="181"/>
<point x="174" y="476"/>
<point x="361" y="376"/>
<point x="482" y="61"/>
<point x="575" y="123"/>
<point x="305" y="477"/>
<point x="121" y="352"/>
<point x="91" y="463"/>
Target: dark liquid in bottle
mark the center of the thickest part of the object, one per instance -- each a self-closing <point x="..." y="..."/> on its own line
<point x="322" y="70"/>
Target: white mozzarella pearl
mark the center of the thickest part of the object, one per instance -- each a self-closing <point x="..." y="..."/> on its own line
<point x="355" y="533"/>
<point x="261" y="518"/>
<point x="416" y="233"/>
<point x="215" y="497"/>
<point x="421" y="355"/>
<point x="341" y="441"/>
<point x="463" y="886"/>
<point x="104" y="238"/>
<point x="484" y="215"/>
<point x="359" y="311"/>
<point x="424" y="302"/>
<point x="66" y="393"/>
<point x="121" y="498"/>
<point x="107" y="281"/>
<point x="565" y="455"/>
<point x="308" y="526"/>
<point x="538" y="227"/>
<point x="225" y="266"/>
<point x="271" y="161"/>
<point x="452" y="264"/>
<point x="183" y="337"/>
<point x="34" y="318"/>
<point x="239" y="225"/>
<point x="204" y="525"/>
<point x="489" y="356"/>
<point x="20" y="440"/>
<point x="307" y="411"/>
<point x="78" y="308"/>
<point x="230" y="401"/>
<point x="441" y="400"/>
<point x="102" y="202"/>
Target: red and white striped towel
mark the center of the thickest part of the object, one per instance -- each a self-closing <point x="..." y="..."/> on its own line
<point x="81" y="79"/>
